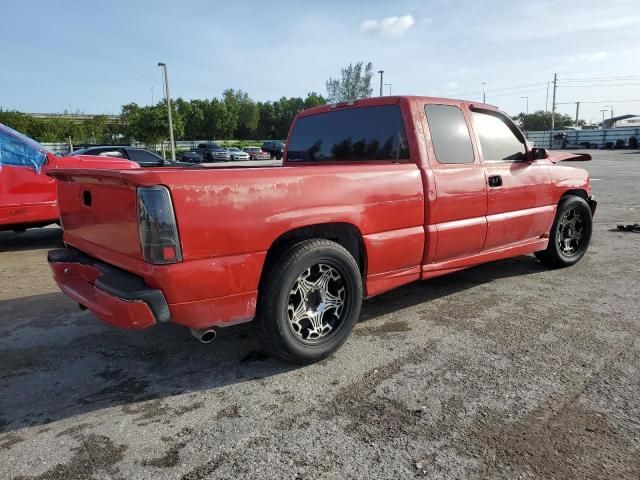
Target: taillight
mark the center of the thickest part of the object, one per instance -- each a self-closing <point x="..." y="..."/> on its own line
<point x="157" y="224"/>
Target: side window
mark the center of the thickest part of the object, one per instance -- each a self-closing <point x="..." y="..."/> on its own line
<point x="144" y="156"/>
<point x="497" y="140"/>
<point x="449" y="134"/>
<point x="111" y="153"/>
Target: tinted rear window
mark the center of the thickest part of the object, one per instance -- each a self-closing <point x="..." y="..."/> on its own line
<point x="352" y="134"/>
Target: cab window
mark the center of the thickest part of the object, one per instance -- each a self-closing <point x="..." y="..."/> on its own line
<point x="449" y="134"/>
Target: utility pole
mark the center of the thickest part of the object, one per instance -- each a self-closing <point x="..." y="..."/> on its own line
<point x="546" y="101"/>
<point x="527" y="104"/>
<point x="388" y="85"/>
<point x="381" y="72"/>
<point x="484" y="96"/>
<point x="553" y="105"/>
<point x="577" y="112"/>
<point x="163" y="66"/>
<point x="611" y="107"/>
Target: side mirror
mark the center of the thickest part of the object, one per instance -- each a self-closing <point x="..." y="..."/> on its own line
<point x="539" y="153"/>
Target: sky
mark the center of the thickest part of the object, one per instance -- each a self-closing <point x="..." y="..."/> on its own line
<point x="94" y="56"/>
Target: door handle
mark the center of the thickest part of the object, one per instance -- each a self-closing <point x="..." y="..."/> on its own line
<point x="495" y="181"/>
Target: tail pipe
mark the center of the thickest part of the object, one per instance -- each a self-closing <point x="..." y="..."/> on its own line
<point x="206" y="335"/>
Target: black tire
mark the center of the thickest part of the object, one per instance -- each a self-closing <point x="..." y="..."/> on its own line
<point x="557" y="256"/>
<point x="279" y="334"/>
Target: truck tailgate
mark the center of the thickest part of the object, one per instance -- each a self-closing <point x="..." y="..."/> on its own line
<point x="100" y="210"/>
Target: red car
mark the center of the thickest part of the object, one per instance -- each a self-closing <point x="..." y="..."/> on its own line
<point x="372" y="194"/>
<point x="27" y="193"/>
<point x="256" y="153"/>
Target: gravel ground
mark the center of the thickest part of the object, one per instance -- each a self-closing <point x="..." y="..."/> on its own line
<point x="507" y="370"/>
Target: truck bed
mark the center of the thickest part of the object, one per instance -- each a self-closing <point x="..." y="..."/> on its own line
<point x="235" y="214"/>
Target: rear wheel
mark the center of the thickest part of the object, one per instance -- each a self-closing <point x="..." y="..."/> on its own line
<point x="310" y="301"/>
<point x="570" y="234"/>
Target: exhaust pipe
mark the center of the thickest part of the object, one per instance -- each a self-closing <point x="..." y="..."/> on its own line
<point x="206" y="335"/>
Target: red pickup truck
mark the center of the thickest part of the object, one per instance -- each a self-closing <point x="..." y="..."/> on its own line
<point x="372" y="194"/>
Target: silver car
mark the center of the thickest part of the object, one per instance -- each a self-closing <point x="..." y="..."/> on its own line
<point x="222" y="154"/>
<point x="237" y="154"/>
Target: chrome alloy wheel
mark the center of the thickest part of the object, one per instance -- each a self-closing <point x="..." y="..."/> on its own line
<point x="316" y="303"/>
<point x="570" y="230"/>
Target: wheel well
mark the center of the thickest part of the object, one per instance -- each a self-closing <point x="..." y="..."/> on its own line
<point x="577" y="192"/>
<point x="344" y="234"/>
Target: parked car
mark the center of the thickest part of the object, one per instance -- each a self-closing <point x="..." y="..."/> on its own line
<point x="192" y="156"/>
<point x="27" y="193"/>
<point x="274" y="148"/>
<point x="372" y="194"/>
<point x="142" y="157"/>
<point x="212" y="152"/>
<point x="256" y="153"/>
<point x="237" y="154"/>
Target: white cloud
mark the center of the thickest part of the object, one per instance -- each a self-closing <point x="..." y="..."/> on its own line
<point x="389" y="26"/>
<point x="617" y="23"/>
<point x="589" y="57"/>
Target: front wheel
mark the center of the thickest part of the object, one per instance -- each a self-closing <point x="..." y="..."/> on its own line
<point x="310" y="301"/>
<point x="570" y="234"/>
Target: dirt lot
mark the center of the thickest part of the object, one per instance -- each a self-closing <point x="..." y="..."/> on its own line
<point x="507" y="370"/>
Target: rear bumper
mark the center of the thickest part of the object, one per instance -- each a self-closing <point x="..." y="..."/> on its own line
<point x="113" y="295"/>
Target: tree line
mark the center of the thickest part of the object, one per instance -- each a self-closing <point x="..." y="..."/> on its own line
<point x="541" y="120"/>
<point x="235" y="115"/>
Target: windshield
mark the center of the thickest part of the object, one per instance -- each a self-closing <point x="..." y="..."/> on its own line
<point x="82" y="151"/>
<point x="19" y="150"/>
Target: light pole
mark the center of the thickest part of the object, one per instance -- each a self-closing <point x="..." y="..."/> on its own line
<point x="484" y="97"/>
<point x="527" y="104"/>
<point x="388" y="85"/>
<point x="603" y="110"/>
<point x="381" y="72"/>
<point x="163" y="66"/>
